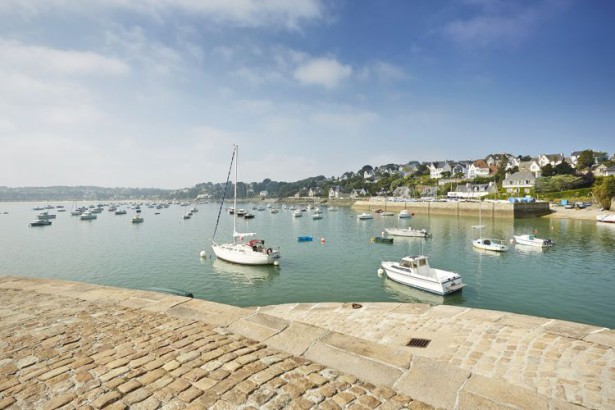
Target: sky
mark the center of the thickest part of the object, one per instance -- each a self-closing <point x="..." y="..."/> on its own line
<point x="154" y="93"/>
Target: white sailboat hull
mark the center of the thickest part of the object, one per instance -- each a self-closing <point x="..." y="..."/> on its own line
<point x="489" y="245"/>
<point x="407" y="232"/>
<point x="243" y="254"/>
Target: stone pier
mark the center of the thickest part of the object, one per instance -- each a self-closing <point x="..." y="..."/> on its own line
<point x="75" y="345"/>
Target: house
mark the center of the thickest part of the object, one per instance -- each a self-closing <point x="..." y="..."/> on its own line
<point x="519" y="183"/>
<point x="335" y="192"/>
<point x="436" y="169"/>
<point x="429" y="191"/>
<point x="553" y="159"/>
<point x="574" y="157"/>
<point x="403" y="192"/>
<point x="263" y="194"/>
<point x="531" y="166"/>
<point x="473" y="190"/>
<point x="357" y="193"/>
<point x="461" y="168"/>
<point x="409" y="169"/>
<point x="603" y="170"/>
<point x="479" y="168"/>
<point x="315" y="191"/>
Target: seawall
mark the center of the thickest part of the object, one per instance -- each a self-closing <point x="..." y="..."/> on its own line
<point x="488" y="209"/>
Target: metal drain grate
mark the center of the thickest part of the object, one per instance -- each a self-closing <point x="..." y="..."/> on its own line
<point x="414" y="342"/>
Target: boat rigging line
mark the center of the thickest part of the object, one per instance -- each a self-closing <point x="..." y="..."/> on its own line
<point x="228" y="178"/>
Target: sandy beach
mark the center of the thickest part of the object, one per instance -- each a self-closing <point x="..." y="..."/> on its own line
<point x="589" y="213"/>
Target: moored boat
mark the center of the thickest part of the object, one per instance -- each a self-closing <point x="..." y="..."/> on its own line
<point x="488" y="244"/>
<point x="365" y="215"/>
<point x="404" y="214"/>
<point x="40" y="222"/>
<point x="531" y="240"/>
<point x="606" y="218"/>
<point x="408" y="232"/>
<point x="382" y="239"/>
<point x="415" y="271"/>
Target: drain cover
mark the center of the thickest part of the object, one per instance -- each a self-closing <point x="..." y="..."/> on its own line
<point x="415" y="342"/>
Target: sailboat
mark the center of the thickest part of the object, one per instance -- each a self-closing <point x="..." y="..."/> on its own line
<point x="487" y="244"/>
<point x="252" y="252"/>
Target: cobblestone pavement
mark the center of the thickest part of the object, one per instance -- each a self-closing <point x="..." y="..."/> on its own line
<point x="59" y="352"/>
<point x="568" y="361"/>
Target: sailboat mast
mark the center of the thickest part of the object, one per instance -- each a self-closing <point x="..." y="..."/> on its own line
<point x="236" y="148"/>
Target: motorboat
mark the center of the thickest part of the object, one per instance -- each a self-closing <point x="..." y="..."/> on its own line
<point x="487" y="244"/>
<point x="248" y="215"/>
<point x="120" y="212"/>
<point x="297" y="213"/>
<point x="531" y="240"/>
<point x="365" y="215"/>
<point x="45" y="215"/>
<point x="305" y="238"/>
<point x="274" y="210"/>
<point x="40" y="222"/>
<point x="606" y="218"/>
<point x="253" y="252"/>
<point x="408" y="232"/>
<point x="137" y="219"/>
<point x="404" y="214"/>
<point x="317" y="215"/>
<point x="387" y="213"/>
<point x="187" y="215"/>
<point x="87" y="216"/>
<point x="414" y="271"/>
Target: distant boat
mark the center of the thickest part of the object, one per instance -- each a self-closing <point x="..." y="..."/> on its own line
<point x="365" y="215"/>
<point x="404" y="214"/>
<point x="486" y="244"/>
<point x="531" y="240"/>
<point x="408" y="232"/>
<point x="297" y="213"/>
<point x="40" y="222"/>
<point x="87" y="216"/>
<point x="45" y="215"/>
<point x="382" y="239"/>
<point x="120" y="212"/>
<point x="610" y="219"/>
<point x="305" y="239"/>
<point x="137" y="219"/>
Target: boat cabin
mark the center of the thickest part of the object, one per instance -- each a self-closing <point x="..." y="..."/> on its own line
<point x="418" y="264"/>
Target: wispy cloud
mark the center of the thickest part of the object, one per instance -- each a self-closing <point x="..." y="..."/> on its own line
<point x="325" y="72"/>
<point x="247" y="13"/>
<point x="501" y="22"/>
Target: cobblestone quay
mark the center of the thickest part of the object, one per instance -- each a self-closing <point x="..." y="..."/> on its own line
<point x="74" y="345"/>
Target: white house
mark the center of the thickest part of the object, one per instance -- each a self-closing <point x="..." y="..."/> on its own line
<point x="478" y="168"/>
<point x="263" y="194"/>
<point x="531" y="166"/>
<point x="519" y="182"/>
<point x="335" y="192"/>
<point x="437" y="168"/>
<point x="402" y="192"/>
<point x="358" y="192"/>
<point x="315" y="191"/>
<point x="604" y="171"/>
<point x="473" y="190"/>
<point x="553" y="159"/>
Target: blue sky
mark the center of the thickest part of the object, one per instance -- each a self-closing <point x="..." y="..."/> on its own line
<point x="153" y="93"/>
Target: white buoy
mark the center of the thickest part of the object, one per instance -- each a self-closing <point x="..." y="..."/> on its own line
<point x="276" y="263"/>
<point x="380" y="272"/>
<point x="203" y="254"/>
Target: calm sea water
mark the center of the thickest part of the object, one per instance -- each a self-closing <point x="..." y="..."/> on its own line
<point x="573" y="281"/>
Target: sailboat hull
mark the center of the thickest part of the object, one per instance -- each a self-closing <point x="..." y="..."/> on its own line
<point x="245" y="255"/>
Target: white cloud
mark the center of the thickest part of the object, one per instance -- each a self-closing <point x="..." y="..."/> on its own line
<point x="499" y="22"/>
<point x="326" y="72"/>
<point x="21" y="58"/>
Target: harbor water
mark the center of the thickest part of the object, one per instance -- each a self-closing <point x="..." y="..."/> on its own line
<point x="573" y="281"/>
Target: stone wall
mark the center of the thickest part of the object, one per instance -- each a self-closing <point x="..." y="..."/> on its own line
<point x="488" y="209"/>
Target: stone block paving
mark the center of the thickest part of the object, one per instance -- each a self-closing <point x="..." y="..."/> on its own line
<point x="570" y="362"/>
<point x="60" y="352"/>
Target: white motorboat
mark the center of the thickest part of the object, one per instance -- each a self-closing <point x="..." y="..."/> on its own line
<point x="137" y="219"/>
<point x="531" y="240"/>
<point x="404" y="214"/>
<point x="297" y="213"/>
<point x="488" y="244"/>
<point x="606" y="218"/>
<point x="87" y="216"/>
<point x="120" y="212"/>
<point x="365" y="215"/>
<point x="253" y="252"/>
<point x="45" y="215"/>
<point x="387" y="213"/>
<point x="408" y="232"/>
<point x="414" y="271"/>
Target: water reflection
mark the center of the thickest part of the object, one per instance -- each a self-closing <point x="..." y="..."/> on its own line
<point x="245" y="274"/>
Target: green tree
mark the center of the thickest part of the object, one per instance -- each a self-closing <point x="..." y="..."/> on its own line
<point x="563" y="168"/>
<point x="547" y="170"/>
<point x="585" y="160"/>
<point x="605" y="192"/>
